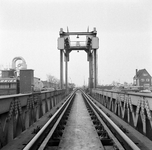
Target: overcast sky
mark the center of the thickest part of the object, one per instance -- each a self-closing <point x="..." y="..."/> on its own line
<point x="30" y="28"/>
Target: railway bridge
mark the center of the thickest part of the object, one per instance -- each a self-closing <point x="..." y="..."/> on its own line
<point x="75" y="118"/>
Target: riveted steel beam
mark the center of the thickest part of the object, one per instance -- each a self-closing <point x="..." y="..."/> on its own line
<point x="93" y="33"/>
<point x="78" y="48"/>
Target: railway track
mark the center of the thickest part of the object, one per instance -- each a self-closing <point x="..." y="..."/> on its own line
<point x="109" y="135"/>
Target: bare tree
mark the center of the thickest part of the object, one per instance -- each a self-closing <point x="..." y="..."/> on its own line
<point x="54" y="82"/>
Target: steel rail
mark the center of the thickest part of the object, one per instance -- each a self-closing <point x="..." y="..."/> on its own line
<point x="122" y="134"/>
<point x="43" y="144"/>
<point x="36" y="137"/>
<point x="105" y="126"/>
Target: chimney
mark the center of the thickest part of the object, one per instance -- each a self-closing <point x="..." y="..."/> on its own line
<point x="136" y="71"/>
<point x="136" y="77"/>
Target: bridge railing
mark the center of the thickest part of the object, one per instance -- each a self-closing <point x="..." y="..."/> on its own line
<point x="78" y="43"/>
<point x="18" y="112"/>
<point x="133" y="108"/>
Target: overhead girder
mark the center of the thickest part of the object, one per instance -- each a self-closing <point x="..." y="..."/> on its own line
<point x="85" y="48"/>
<point x="62" y="33"/>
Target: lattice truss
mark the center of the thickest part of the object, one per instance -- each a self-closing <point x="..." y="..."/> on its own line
<point x="123" y="104"/>
<point x="16" y="120"/>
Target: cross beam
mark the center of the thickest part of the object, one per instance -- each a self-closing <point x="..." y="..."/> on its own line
<point x="93" y="33"/>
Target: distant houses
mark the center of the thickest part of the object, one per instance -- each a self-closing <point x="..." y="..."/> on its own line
<point x="142" y="78"/>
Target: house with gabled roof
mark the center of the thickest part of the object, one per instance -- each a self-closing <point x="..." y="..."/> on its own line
<point x="142" y="78"/>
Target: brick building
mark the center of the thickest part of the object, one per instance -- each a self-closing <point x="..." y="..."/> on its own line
<point x="142" y="78"/>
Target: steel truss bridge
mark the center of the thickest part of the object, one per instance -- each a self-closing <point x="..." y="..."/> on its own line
<point x="25" y="113"/>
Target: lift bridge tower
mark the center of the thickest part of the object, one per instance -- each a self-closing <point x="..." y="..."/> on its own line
<point x="90" y="46"/>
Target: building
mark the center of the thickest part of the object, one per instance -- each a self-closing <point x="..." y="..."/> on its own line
<point x="142" y="78"/>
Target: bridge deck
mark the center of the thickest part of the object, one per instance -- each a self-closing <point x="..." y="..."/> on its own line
<point x="80" y="132"/>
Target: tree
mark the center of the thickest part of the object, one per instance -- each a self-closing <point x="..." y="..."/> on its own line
<point x="113" y="83"/>
<point x="125" y="83"/>
<point x="53" y="81"/>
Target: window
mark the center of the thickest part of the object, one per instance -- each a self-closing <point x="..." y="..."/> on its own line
<point x="142" y="80"/>
<point x="147" y="80"/>
<point x="145" y="74"/>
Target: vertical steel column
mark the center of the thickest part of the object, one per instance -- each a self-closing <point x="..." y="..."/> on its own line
<point x="95" y="69"/>
<point x="90" y="72"/>
<point x="61" y="69"/>
<point x="66" y="73"/>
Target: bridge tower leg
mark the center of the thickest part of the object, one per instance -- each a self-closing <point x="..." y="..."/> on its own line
<point x="90" y="71"/>
<point x="66" y="71"/>
<point x="95" y="69"/>
<point x="61" y="69"/>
